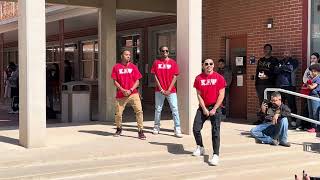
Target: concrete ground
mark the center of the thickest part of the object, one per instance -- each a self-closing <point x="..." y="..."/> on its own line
<point x="89" y="151"/>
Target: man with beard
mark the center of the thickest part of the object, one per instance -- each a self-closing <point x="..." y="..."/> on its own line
<point x="274" y="129"/>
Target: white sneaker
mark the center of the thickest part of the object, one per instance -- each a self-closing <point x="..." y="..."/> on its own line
<point x="198" y="152"/>
<point x="156" y="130"/>
<point x="214" y="161"/>
<point x="177" y="132"/>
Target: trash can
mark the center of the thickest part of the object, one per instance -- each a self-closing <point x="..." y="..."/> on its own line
<point x="76" y="102"/>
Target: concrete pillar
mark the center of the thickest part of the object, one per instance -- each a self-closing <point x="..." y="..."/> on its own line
<point x="107" y="57"/>
<point x="32" y="76"/>
<point x="189" y="55"/>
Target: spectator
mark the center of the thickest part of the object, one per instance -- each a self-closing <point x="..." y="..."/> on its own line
<point x="314" y="58"/>
<point x="14" y="85"/>
<point x="274" y="130"/>
<point x="7" y="89"/>
<point x="227" y="74"/>
<point x="286" y="79"/>
<point x="67" y="71"/>
<point x="49" y="86"/>
<point x="314" y="86"/>
<point x="55" y="72"/>
<point x="265" y="73"/>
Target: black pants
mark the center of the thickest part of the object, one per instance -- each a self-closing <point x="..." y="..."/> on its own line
<point x="260" y="92"/>
<point x="215" y="120"/>
<point x="291" y="100"/>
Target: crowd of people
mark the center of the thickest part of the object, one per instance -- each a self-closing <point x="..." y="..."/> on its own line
<point x="212" y="87"/>
<point x="11" y="84"/>
<point x="274" y="73"/>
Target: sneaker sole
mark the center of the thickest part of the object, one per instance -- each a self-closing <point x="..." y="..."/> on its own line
<point x="178" y="136"/>
<point x="197" y="155"/>
<point x="211" y="164"/>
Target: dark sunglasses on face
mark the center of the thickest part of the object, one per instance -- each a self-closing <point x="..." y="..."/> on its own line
<point x="164" y="51"/>
<point x="207" y="64"/>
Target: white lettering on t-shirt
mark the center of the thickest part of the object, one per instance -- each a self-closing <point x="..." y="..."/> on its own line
<point x="164" y="66"/>
<point x="125" y="71"/>
<point x="208" y="82"/>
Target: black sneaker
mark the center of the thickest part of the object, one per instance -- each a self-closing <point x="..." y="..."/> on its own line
<point x="285" y="144"/>
<point x="258" y="141"/>
<point x="141" y="135"/>
<point x="118" y="132"/>
<point x="274" y="142"/>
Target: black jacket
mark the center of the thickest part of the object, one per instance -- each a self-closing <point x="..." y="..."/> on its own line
<point x="267" y="65"/>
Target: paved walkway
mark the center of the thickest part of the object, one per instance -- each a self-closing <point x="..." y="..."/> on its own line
<point x="89" y="151"/>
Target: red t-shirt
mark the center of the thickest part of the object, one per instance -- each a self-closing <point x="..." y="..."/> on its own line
<point x="126" y="76"/>
<point x="209" y="86"/>
<point x="165" y="70"/>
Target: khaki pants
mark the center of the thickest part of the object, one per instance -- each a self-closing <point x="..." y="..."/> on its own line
<point x="135" y="102"/>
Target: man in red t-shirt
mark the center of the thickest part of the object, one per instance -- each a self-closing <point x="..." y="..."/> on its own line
<point x="165" y="71"/>
<point x="126" y="78"/>
<point x="210" y="92"/>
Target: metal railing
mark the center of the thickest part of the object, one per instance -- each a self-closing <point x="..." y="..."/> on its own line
<point x="295" y="94"/>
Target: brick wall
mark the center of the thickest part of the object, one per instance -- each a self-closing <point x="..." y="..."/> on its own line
<point x="249" y="17"/>
<point x="8" y="10"/>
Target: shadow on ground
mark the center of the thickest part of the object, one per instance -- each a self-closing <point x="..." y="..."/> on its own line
<point x="173" y="148"/>
<point x="9" y="140"/>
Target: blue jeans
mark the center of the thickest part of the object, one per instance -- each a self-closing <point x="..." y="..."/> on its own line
<point x="266" y="132"/>
<point x="314" y="108"/>
<point x="173" y="102"/>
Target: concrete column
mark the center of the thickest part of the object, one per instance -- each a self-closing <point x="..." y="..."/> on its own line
<point x="32" y="76"/>
<point x="189" y="55"/>
<point x="107" y="57"/>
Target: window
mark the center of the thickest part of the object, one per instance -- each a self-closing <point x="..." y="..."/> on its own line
<point x="315" y="26"/>
<point x="89" y="60"/>
<point x="161" y="36"/>
<point x="10" y="55"/>
<point x="52" y="54"/>
<point x="167" y="39"/>
<point x="131" y="43"/>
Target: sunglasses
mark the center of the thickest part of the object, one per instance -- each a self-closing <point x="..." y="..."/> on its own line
<point x="207" y="64"/>
<point x="164" y="51"/>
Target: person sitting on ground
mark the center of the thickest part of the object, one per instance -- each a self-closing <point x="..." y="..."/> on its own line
<point x="314" y="86"/>
<point x="274" y="129"/>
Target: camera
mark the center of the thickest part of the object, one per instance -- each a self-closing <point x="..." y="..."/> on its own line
<point x="267" y="103"/>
